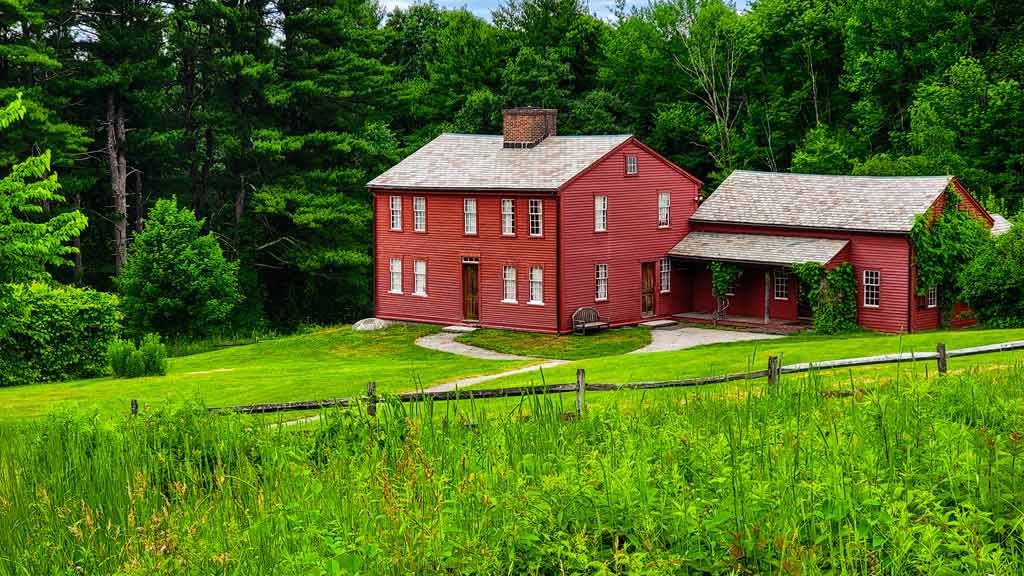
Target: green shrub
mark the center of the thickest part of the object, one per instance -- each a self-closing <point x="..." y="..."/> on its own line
<point x="50" y="332"/>
<point x="135" y="365"/>
<point x="154" y="355"/>
<point x="118" y="354"/>
<point x="149" y="359"/>
<point x="993" y="283"/>
<point x="176" y="282"/>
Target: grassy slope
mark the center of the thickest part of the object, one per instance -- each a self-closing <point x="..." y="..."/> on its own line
<point x="738" y="356"/>
<point x="328" y="363"/>
<point x="599" y="344"/>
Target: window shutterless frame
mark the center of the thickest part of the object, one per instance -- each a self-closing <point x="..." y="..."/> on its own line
<point x="872" y="283"/>
<point x="665" y="271"/>
<point x="601" y="282"/>
<point x="395" y="269"/>
<point x="508" y="217"/>
<point x="395" y="204"/>
<point x="600" y="213"/>
<point x="469" y="216"/>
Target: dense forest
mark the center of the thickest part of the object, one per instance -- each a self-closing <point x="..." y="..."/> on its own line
<point x="267" y="117"/>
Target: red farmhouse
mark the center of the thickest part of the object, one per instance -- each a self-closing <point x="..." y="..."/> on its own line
<point x="520" y="230"/>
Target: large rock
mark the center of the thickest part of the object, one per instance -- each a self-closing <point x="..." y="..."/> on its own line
<point x="369" y="324"/>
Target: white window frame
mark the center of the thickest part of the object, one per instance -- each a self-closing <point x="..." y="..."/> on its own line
<point x="395" y="274"/>
<point x="872" y="283"/>
<point x="536" y="217"/>
<point x="600" y="213"/>
<point x="536" y="286"/>
<point x="632" y="165"/>
<point x="508" y="217"/>
<point x="508" y="283"/>
<point x="419" y="278"/>
<point x="419" y="214"/>
<point x="601" y="283"/>
<point x="395" y="205"/>
<point x="469" y="216"/>
<point x="665" y="271"/>
<point x="780" y="285"/>
<point x="664" y="209"/>
<point x="933" y="297"/>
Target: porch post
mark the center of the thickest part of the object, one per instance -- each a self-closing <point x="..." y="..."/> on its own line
<point x="767" y="282"/>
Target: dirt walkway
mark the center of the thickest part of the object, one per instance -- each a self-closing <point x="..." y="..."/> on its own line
<point x="445" y="342"/>
<point x="682" y="338"/>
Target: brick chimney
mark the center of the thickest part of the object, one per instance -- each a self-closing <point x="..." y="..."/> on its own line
<point x="526" y="127"/>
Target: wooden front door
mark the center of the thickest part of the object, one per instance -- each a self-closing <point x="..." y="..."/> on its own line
<point x="470" y="291"/>
<point x="647" y="292"/>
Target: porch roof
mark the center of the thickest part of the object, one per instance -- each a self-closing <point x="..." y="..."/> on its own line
<point x="757" y="248"/>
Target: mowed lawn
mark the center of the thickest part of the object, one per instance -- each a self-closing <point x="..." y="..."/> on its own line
<point x="753" y="355"/>
<point x="325" y="364"/>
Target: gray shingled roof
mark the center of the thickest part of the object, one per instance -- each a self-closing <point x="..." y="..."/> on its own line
<point x="778" y="250"/>
<point x="874" y="203"/>
<point x="477" y="162"/>
<point x="1000" y="225"/>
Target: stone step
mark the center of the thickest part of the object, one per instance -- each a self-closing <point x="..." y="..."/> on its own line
<point x="457" y="329"/>
<point x="656" y="324"/>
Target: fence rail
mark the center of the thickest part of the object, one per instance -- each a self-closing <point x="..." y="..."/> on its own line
<point x="775" y="369"/>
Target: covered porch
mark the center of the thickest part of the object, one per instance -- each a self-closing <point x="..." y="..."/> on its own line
<point x="766" y="294"/>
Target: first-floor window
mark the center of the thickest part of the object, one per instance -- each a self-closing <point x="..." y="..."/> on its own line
<point x="508" y="217"/>
<point x="536" y="285"/>
<point x="933" y="297"/>
<point x="469" y="215"/>
<point x="781" y="285"/>
<point x="666" y="274"/>
<point x="509" y="276"/>
<point x="396" y="212"/>
<point x="872" y="288"/>
<point x="601" y="278"/>
<point x="419" y="277"/>
<point x="396" y="276"/>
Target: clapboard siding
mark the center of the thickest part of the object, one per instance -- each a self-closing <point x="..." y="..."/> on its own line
<point x="889" y="254"/>
<point x="632" y="238"/>
<point x="443" y="247"/>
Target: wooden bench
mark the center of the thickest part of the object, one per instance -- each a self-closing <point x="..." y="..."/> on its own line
<point x="587" y="318"/>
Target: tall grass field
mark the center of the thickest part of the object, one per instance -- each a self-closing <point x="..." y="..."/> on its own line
<point x="810" y="477"/>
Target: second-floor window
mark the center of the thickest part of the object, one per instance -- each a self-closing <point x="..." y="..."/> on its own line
<point x="872" y="288"/>
<point x="536" y="218"/>
<point x="508" y="217"/>
<point x="601" y="281"/>
<point x="469" y="215"/>
<point x="419" y="214"/>
<point x="396" y="212"/>
<point x="631" y="166"/>
<point x="664" y="209"/>
<point x="600" y="213"/>
<point x="509" y="277"/>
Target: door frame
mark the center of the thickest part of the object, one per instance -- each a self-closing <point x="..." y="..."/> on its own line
<point x="467" y="262"/>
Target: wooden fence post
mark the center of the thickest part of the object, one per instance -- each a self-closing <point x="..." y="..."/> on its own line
<point x="135" y="407"/>
<point x="773" y="370"/>
<point x="371" y="393"/>
<point x="942" y="359"/>
<point x="581" y="387"/>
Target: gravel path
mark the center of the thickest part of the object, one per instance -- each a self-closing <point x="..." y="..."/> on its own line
<point x="682" y="338"/>
<point x="445" y="342"/>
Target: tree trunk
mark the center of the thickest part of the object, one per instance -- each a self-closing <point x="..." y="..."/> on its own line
<point x="77" y="243"/>
<point x="118" y="177"/>
<point x="140" y="206"/>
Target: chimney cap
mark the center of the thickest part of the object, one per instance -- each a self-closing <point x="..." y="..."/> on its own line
<point x="529" y="110"/>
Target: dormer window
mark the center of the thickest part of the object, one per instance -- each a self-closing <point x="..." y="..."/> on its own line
<point x="631" y="168"/>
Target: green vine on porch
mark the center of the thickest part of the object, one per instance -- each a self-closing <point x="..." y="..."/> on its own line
<point x="723" y="278"/>
<point x="943" y="247"/>
<point x="831" y="294"/>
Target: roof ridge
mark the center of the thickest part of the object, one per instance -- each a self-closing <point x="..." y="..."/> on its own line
<point x="856" y="176"/>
